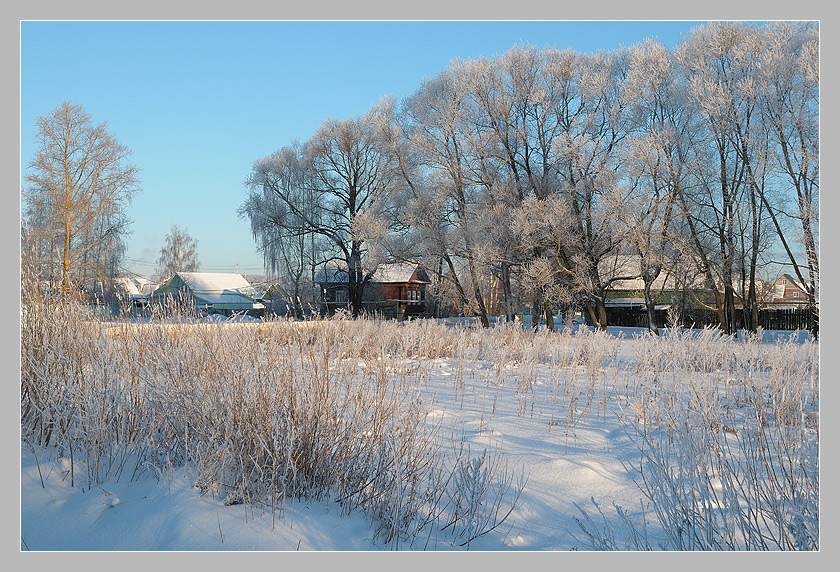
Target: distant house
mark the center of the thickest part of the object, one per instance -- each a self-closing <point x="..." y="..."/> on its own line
<point x="211" y="292"/>
<point x="629" y="293"/>
<point x="136" y="289"/>
<point x="668" y="290"/>
<point x="394" y="290"/>
<point x="788" y="291"/>
<point x="274" y="297"/>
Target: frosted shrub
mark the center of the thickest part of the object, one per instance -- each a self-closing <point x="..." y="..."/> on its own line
<point x="476" y="496"/>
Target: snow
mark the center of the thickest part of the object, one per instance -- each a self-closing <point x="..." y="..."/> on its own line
<point x="167" y="515"/>
<point x="392" y="273"/>
<point x="566" y="463"/>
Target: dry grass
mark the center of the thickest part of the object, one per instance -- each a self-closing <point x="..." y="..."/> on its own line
<point x="269" y="412"/>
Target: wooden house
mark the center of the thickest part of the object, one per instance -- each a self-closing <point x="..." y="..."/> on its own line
<point x="394" y="290"/>
<point x="788" y="291"/>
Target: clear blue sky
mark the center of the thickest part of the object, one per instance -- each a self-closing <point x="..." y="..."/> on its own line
<point x="198" y="102"/>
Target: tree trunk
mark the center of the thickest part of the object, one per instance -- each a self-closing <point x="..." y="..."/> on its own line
<point x="601" y="310"/>
<point x="549" y="317"/>
<point x="65" y="265"/>
<point x="536" y="312"/>
<point x="597" y="312"/>
<point x="650" y="306"/>
<point x="354" y="280"/>
<point x="510" y="311"/>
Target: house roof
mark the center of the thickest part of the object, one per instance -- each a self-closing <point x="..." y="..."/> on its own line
<point x="630" y="265"/>
<point x="128" y="285"/>
<point x="793" y="281"/>
<point x="399" y="272"/>
<point x="336" y="272"/>
<point x="221" y="289"/>
<point x="631" y="303"/>
<point x="136" y="286"/>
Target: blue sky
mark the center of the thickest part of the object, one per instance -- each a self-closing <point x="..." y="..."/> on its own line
<point x="198" y="102"/>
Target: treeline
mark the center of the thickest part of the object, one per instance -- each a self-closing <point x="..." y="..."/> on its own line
<point x="531" y="172"/>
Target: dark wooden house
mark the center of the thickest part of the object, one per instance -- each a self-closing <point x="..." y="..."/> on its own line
<point x="393" y="291"/>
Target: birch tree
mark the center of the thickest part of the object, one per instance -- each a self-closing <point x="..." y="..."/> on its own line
<point x="179" y="253"/>
<point x="79" y="185"/>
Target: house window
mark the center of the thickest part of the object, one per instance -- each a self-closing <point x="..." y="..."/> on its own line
<point x="784" y="282"/>
<point x="340" y="296"/>
<point x="796" y="294"/>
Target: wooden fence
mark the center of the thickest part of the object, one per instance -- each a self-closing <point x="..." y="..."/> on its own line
<point x="768" y="319"/>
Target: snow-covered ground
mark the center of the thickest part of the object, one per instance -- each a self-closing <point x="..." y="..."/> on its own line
<point x="556" y="425"/>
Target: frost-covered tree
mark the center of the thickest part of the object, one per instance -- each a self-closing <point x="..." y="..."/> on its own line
<point x="516" y="123"/>
<point x="788" y="92"/>
<point x="657" y="166"/>
<point x="291" y="249"/>
<point x="443" y="189"/>
<point x="525" y="174"/>
<point x="721" y="63"/>
<point x="346" y="187"/>
<point x="593" y="124"/>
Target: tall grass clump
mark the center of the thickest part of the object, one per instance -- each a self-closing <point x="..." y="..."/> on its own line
<point x="261" y="414"/>
<point x="728" y="439"/>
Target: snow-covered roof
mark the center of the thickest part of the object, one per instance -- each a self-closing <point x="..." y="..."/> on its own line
<point x="211" y="282"/>
<point x="221" y="289"/>
<point x="336" y="272"/>
<point x="398" y="272"/>
<point x="631" y="303"/>
<point x="128" y="285"/>
<point x="630" y="265"/>
<point x="136" y="286"/>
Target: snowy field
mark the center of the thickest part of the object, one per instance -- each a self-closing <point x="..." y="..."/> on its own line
<point x="368" y="436"/>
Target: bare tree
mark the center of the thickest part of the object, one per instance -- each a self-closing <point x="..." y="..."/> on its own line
<point x="657" y="166"/>
<point x="80" y="182"/>
<point x="178" y="254"/>
<point x="348" y="186"/>
<point x="516" y="124"/>
<point x="742" y="88"/>
<point x="594" y="122"/>
<point x="291" y="249"/>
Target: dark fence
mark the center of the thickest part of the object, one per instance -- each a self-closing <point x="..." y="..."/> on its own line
<point x="768" y="319"/>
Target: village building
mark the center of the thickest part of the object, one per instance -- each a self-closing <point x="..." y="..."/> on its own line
<point x="787" y="291"/>
<point x="211" y="292"/>
<point x="135" y="289"/>
<point x="274" y="297"/>
<point x="393" y="291"/>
